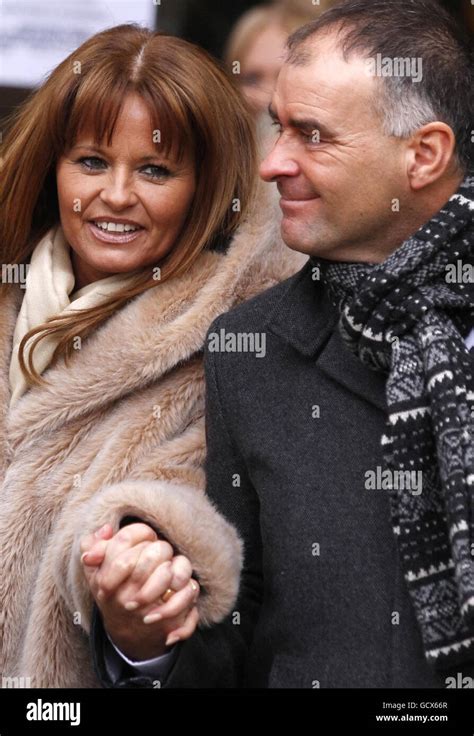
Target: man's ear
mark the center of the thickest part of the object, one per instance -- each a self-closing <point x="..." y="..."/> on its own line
<point x="430" y="153"/>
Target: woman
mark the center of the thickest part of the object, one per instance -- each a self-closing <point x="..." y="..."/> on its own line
<point x="128" y="193"/>
<point x="255" y="49"/>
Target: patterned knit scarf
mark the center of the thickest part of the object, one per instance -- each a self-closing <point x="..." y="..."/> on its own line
<point x="408" y="316"/>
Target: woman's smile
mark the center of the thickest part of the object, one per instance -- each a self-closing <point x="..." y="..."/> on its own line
<point x="111" y="231"/>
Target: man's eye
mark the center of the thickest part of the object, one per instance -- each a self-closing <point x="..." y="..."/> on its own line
<point x="156" y="172"/>
<point x="92" y="163"/>
<point x="313" y="136"/>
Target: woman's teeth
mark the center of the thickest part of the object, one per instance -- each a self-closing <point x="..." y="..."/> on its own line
<point x="116" y="227"/>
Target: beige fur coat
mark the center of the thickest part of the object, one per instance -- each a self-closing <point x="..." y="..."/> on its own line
<point x="119" y="431"/>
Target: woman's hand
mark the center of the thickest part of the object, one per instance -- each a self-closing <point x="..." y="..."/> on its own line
<point x="128" y="573"/>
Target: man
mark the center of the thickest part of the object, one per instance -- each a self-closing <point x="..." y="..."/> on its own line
<point x="344" y="455"/>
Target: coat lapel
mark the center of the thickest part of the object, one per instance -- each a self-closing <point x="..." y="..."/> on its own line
<point x="338" y="362"/>
<point x="307" y="320"/>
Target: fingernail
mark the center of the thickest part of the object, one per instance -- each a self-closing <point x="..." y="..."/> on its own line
<point x="83" y="556"/>
<point x="171" y="640"/>
<point x="152" y="617"/>
<point x="194" y="585"/>
<point x="131" y="605"/>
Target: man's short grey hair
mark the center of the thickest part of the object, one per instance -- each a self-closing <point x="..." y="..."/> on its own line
<point x="403" y="109"/>
<point x="405" y="29"/>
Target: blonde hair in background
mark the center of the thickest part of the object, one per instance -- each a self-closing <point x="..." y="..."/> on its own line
<point x="308" y="10"/>
<point x="196" y="106"/>
<point x="289" y="14"/>
<point x="247" y="28"/>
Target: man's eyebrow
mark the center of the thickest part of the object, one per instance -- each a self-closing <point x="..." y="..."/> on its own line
<point x="309" y="124"/>
<point x="301" y="124"/>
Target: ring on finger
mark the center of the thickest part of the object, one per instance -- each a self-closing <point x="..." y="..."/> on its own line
<point x="167" y="595"/>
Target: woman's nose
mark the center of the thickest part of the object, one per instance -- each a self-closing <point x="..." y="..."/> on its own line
<point x="118" y="191"/>
<point x="278" y="163"/>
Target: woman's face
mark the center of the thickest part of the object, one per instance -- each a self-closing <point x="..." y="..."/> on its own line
<point x="261" y="65"/>
<point x="122" y="206"/>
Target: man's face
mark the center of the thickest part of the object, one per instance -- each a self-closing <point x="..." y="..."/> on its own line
<point x="336" y="170"/>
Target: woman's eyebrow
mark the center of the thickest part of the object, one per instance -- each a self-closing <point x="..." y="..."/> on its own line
<point x="86" y="147"/>
<point x="93" y="149"/>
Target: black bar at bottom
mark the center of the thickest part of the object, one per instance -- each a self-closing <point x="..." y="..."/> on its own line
<point x="30" y="711"/>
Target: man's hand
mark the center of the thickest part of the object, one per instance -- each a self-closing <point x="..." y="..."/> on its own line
<point x="128" y="573"/>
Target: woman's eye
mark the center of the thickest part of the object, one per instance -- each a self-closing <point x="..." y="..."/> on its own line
<point x="278" y="125"/>
<point x="156" y="172"/>
<point x="92" y="163"/>
<point x="250" y="80"/>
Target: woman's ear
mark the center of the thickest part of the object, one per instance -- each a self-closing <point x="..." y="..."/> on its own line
<point x="430" y="154"/>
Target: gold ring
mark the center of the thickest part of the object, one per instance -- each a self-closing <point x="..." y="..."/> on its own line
<point x="167" y="595"/>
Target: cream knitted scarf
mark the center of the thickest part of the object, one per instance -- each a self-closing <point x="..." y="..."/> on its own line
<point x="49" y="292"/>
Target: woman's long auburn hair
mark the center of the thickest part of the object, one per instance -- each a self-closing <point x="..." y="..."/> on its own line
<point x="196" y="107"/>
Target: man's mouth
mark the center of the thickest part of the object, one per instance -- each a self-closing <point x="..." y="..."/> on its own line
<point x="295" y="201"/>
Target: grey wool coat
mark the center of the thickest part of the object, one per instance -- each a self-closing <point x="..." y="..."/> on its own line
<point x="291" y="434"/>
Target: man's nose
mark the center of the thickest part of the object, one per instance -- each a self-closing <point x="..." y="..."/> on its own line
<point x="118" y="191"/>
<point x="279" y="162"/>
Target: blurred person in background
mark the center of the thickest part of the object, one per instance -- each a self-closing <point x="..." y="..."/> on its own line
<point x="255" y="48"/>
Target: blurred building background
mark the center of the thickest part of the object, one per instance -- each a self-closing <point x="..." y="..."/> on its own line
<point x="209" y="22"/>
<point x="37" y="34"/>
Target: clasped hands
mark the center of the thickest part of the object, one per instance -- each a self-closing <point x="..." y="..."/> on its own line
<point x="128" y="573"/>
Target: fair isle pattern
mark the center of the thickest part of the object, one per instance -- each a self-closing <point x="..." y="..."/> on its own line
<point x="403" y="317"/>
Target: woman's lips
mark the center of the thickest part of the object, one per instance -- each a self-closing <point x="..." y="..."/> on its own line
<point x="110" y="237"/>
